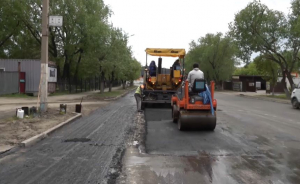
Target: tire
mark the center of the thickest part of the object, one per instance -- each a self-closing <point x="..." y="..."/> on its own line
<point x="295" y="103"/>
<point x="180" y="126"/>
<point x="174" y="112"/>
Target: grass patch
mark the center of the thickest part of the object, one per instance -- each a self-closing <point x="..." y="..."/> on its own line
<point x="283" y="96"/>
<point x="60" y="93"/>
<point x="14" y="118"/>
<point x="110" y="94"/>
<point x="17" y="95"/>
<point x="113" y="93"/>
<point x="129" y="88"/>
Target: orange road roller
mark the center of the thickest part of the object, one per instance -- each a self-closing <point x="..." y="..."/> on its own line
<point x="189" y="110"/>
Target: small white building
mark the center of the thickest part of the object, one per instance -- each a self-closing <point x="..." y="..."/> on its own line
<point x="296" y="79"/>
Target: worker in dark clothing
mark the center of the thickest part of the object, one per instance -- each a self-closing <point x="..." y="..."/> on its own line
<point x="152" y="68"/>
<point x="175" y="66"/>
<point x="138" y="97"/>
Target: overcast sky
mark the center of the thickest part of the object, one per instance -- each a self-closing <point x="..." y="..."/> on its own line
<point x="175" y="23"/>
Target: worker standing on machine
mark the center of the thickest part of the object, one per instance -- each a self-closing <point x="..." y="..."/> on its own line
<point x="152" y="68"/>
<point x="196" y="73"/>
<point x="176" y="63"/>
<point x="176" y="66"/>
<point x="138" y="97"/>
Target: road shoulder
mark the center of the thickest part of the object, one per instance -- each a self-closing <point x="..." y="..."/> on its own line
<point x="256" y="96"/>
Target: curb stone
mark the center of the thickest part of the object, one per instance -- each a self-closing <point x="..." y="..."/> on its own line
<point x="41" y="136"/>
<point x="266" y="99"/>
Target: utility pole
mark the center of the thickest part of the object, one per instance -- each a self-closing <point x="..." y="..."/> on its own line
<point x="44" y="58"/>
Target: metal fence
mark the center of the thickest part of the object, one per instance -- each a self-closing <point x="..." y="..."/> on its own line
<point x="9" y="83"/>
<point x="82" y="85"/>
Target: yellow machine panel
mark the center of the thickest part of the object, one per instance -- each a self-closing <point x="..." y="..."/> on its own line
<point x="164" y="88"/>
<point x="176" y="73"/>
<point x="163" y="79"/>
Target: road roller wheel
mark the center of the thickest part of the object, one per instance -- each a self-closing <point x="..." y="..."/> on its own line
<point x="295" y="103"/>
<point x="180" y="125"/>
<point x="212" y="126"/>
<point x="175" y="114"/>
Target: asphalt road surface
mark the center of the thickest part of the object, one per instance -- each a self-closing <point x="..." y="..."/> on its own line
<point x="88" y="150"/>
<point x="254" y="142"/>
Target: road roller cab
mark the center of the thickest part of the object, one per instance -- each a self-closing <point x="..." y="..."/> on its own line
<point x="189" y="109"/>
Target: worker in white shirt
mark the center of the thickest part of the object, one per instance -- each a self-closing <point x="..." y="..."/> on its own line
<point x="196" y="73"/>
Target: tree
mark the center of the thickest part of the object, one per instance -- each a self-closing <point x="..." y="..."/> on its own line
<point x="249" y="69"/>
<point x="268" y="69"/>
<point x="87" y="45"/>
<point x="10" y="12"/>
<point x="215" y="55"/>
<point x="257" y="28"/>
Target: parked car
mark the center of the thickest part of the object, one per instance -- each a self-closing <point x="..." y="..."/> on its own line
<point x="295" y="97"/>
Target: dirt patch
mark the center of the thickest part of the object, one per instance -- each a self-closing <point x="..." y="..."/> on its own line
<point x="13" y="130"/>
<point x="140" y="132"/>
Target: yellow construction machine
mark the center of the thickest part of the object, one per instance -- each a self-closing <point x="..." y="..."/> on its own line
<point x="161" y="83"/>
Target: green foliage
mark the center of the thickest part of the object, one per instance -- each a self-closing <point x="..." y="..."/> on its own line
<point x="9" y="20"/>
<point x="250" y="69"/>
<point x="17" y="95"/>
<point x="278" y="97"/>
<point x="87" y="45"/>
<point x="215" y="55"/>
<point x="268" y="69"/>
<point x="257" y="28"/>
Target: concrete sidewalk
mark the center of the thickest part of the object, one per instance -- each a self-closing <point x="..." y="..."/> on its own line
<point x="51" y="99"/>
<point x="9" y="105"/>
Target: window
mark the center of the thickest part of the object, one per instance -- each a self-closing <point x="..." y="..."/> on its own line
<point x="200" y="85"/>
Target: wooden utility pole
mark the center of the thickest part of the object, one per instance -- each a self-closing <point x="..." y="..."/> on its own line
<point x="44" y="58"/>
